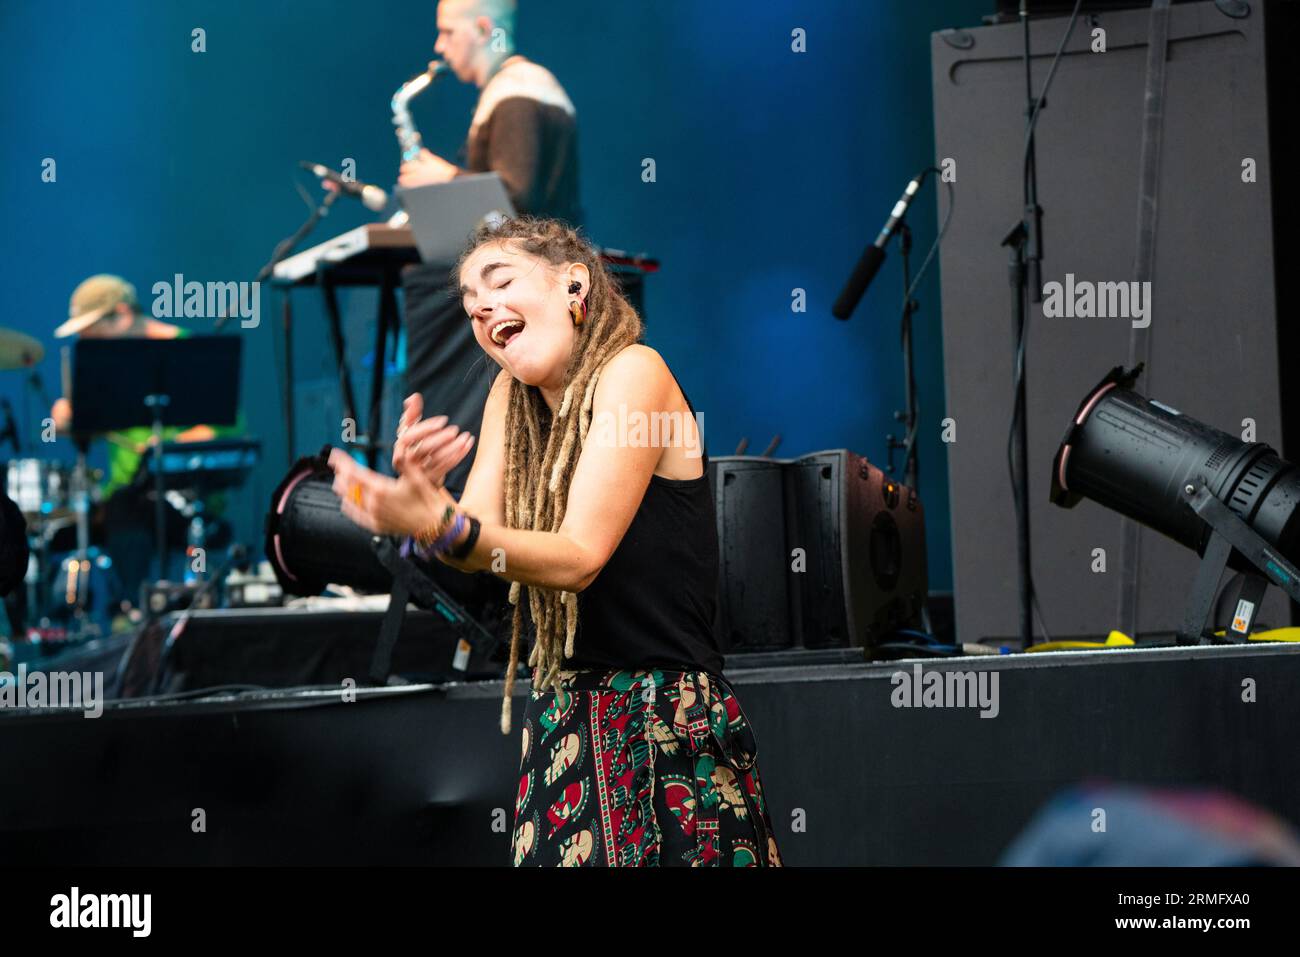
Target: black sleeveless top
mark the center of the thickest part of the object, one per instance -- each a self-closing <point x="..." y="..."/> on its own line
<point x="653" y="603"/>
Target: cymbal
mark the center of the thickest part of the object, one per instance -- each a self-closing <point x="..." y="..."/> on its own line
<point x="19" y="350"/>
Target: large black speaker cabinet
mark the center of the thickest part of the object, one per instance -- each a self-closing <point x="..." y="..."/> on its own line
<point x="824" y="551"/>
<point x="1214" y="348"/>
<point x="754" y="576"/>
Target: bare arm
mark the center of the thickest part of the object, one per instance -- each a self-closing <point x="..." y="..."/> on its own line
<point x="608" y="484"/>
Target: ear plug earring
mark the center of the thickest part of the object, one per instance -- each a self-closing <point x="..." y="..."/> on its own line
<point x="577" y="307"/>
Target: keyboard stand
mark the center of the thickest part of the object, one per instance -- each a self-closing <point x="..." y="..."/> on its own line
<point x="370" y="255"/>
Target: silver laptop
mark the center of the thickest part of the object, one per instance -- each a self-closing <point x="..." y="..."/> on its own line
<point x="443" y="215"/>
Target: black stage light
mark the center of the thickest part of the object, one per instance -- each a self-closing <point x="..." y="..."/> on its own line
<point x="1233" y="502"/>
<point x="310" y="543"/>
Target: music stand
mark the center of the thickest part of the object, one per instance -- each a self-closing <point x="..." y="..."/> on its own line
<point x="130" y="382"/>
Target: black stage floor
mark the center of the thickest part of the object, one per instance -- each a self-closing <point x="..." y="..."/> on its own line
<point x="421" y="774"/>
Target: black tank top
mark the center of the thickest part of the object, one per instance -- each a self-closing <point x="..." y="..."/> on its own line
<point x="653" y="603"/>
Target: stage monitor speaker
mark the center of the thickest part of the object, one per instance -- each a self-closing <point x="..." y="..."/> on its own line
<point x="824" y="551"/>
<point x="863" y="536"/>
<point x="754" y="602"/>
<point x="1213" y="346"/>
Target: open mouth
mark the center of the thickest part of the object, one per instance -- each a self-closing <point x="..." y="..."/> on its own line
<point x="505" y="330"/>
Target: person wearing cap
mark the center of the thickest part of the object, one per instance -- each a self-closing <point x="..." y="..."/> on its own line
<point x="104" y="307"/>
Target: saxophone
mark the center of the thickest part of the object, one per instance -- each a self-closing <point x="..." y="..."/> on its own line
<point x="407" y="135"/>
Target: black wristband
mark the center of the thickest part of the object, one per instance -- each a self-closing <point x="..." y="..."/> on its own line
<point x="462" y="550"/>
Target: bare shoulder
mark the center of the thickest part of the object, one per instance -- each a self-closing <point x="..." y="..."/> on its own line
<point x="639" y="378"/>
<point x="636" y="372"/>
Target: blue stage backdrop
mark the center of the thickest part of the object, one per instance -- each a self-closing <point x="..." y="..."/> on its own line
<point x="773" y="168"/>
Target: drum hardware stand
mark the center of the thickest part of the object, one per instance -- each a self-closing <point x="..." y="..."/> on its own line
<point x="78" y="576"/>
<point x="78" y="579"/>
<point x="41" y="530"/>
<point x="156" y="402"/>
<point x="39" y="545"/>
<point x="40" y="541"/>
<point x="196" y="535"/>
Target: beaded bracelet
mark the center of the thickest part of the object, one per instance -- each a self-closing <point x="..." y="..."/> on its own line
<point x="441" y="547"/>
<point x="446" y="540"/>
<point x="426" y="536"/>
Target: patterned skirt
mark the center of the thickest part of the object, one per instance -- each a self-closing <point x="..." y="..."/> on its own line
<point x="640" y="768"/>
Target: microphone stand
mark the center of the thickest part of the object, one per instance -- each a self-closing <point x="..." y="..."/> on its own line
<point x="280" y="252"/>
<point x="909" y="414"/>
<point x="1025" y="244"/>
<point x="286" y="246"/>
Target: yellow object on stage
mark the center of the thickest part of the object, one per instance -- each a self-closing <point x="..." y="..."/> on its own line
<point x="1116" y="639"/>
<point x="1273" y="634"/>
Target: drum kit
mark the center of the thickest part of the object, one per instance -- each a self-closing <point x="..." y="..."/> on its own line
<point x="66" y="592"/>
<point x="72" y="589"/>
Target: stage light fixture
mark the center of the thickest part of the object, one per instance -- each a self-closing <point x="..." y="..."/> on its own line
<point x="1233" y="502"/>
<point x="310" y="543"/>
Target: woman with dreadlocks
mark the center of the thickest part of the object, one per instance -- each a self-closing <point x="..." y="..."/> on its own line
<point x="588" y="493"/>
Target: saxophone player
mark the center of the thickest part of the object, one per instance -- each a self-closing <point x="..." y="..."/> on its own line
<point x="524" y="126"/>
<point x="524" y="129"/>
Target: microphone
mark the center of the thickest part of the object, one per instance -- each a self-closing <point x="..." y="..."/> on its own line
<point x="371" y="196"/>
<point x="869" y="264"/>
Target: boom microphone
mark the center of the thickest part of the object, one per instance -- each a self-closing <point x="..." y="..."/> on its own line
<point x="869" y="264"/>
<point x="371" y="196"/>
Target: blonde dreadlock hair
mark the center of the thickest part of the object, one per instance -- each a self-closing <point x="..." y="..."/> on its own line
<point x="541" y="454"/>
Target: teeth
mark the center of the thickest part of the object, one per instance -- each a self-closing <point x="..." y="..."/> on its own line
<point x="500" y="328"/>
